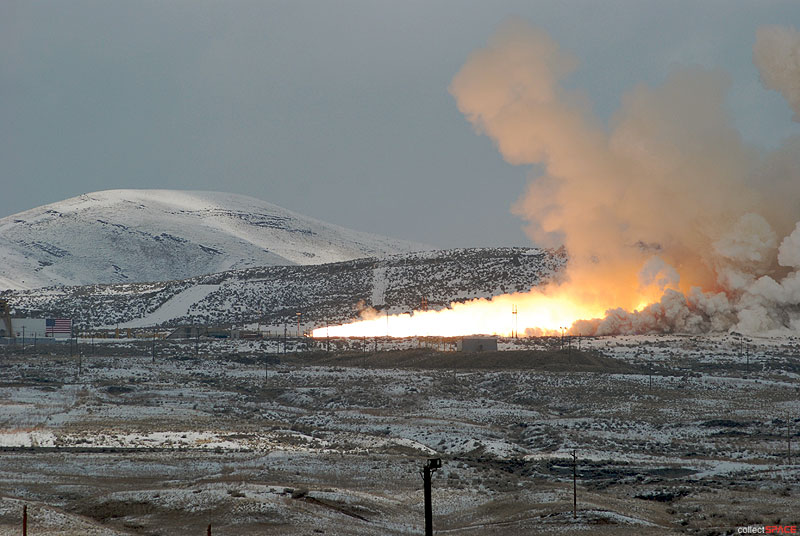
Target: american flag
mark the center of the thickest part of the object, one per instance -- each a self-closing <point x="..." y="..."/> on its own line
<point x="57" y="325"/>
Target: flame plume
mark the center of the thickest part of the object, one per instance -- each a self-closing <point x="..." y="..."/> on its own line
<point x="672" y="222"/>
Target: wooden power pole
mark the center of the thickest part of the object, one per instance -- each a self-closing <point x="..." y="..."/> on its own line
<point x="574" y="484"/>
<point x="432" y="465"/>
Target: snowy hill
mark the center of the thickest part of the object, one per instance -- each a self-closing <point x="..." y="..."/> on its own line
<point x="272" y="295"/>
<point x="119" y="236"/>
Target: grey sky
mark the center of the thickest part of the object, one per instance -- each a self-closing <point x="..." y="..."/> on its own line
<point x="336" y="109"/>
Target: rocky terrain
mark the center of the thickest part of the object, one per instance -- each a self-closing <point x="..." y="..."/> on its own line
<point x="272" y="295"/>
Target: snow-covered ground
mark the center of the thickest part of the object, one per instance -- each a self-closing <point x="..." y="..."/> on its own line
<point x="118" y="236"/>
<point x="177" y="306"/>
<point x="673" y="434"/>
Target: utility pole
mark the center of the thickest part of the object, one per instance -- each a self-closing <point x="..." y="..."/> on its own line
<point x="154" y="346"/>
<point x="432" y="465"/>
<point x="514" y="330"/>
<point x="574" y="484"/>
<point x="747" y="355"/>
<point x="23" y="339"/>
<point x="285" y="328"/>
<point x="789" y="438"/>
<point x="298" y="323"/>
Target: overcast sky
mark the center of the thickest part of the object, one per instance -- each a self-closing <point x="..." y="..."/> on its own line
<point x="338" y="110"/>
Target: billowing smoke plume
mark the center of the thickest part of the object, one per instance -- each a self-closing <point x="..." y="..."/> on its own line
<point x="667" y="204"/>
<point x="777" y="56"/>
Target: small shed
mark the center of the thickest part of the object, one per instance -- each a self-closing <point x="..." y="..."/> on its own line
<point x="477" y="344"/>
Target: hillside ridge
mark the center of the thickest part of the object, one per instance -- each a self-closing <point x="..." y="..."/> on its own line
<point x="273" y="295"/>
<point x="117" y="236"/>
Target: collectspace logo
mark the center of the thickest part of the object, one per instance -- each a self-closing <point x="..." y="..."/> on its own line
<point x="769" y="529"/>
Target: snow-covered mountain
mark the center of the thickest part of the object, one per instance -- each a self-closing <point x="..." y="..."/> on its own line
<point x="117" y="236"/>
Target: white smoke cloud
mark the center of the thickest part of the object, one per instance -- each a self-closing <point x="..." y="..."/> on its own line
<point x="667" y="196"/>
<point x="744" y="252"/>
<point x="656" y="272"/>
<point x="789" y="252"/>
<point x="777" y="56"/>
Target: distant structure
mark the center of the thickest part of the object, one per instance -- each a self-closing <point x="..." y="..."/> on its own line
<point x="5" y="329"/>
<point x="477" y="344"/>
<point x="57" y="328"/>
<point x="188" y="332"/>
<point x="191" y="332"/>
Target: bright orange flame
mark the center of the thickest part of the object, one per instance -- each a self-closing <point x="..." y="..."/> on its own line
<point x="538" y="312"/>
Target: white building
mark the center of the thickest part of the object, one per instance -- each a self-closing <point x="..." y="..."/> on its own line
<point x="58" y="328"/>
<point x="477" y="344"/>
<point x="29" y="327"/>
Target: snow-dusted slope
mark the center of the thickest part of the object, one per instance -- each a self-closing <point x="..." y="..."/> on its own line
<point x="323" y="293"/>
<point x="156" y="235"/>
